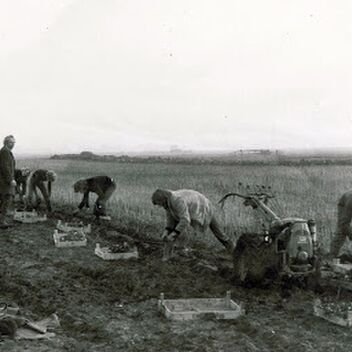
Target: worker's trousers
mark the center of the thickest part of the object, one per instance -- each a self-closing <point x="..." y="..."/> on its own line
<point x="5" y="202"/>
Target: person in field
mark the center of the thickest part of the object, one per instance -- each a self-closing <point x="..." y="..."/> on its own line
<point x="7" y="178"/>
<point x="21" y="178"/>
<point x="103" y="186"/>
<point x="183" y="208"/>
<point x="343" y="230"/>
<point x="40" y="179"/>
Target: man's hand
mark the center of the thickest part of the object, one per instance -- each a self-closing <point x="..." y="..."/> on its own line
<point x="76" y="211"/>
<point x="171" y="236"/>
<point x="164" y="235"/>
<point x="13" y="183"/>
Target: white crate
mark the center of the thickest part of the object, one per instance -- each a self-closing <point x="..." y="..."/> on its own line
<point x="342" y="268"/>
<point x="73" y="226"/>
<point x="60" y="240"/>
<point x="323" y="312"/>
<point x="104" y="253"/>
<point x="28" y="217"/>
<point x="198" y="308"/>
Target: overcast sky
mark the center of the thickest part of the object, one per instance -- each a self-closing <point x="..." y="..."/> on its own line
<point x="113" y="75"/>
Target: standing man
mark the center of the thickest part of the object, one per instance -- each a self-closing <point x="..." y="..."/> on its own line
<point x="344" y="217"/>
<point x="103" y="186"/>
<point x="7" y="178"/>
<point x="37" y="180"/>
<point x="187" y="207"/>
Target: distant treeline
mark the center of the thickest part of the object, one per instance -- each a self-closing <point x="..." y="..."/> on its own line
<point x="226" y="159"/>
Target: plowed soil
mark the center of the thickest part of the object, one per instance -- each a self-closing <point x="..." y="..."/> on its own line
<point x="112" y="306"/>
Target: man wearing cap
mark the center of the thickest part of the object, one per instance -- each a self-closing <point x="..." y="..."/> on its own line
<point x="7" y="178"/>
<point x="187" y="207"/>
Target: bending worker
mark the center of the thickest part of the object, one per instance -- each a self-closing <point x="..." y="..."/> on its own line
<point x="344" y="217"/>
<point x="187" y="207"/>
<point x="37" y="180"/>
<point x="7" y="179"/>
<point x="103" y="186"/>
<point x="21" y="178"/>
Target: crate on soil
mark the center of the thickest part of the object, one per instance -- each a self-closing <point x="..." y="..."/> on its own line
<point x="69" y="239"/>
<point x="116" y="252"/>
<point x="28" y="217"/>
<point x="339" y="268"/>
<point x="73" y="226"/>
<point x="198" y="308"/>
<point x="339" y="313"/>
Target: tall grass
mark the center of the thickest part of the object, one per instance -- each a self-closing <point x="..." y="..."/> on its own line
<point x="306" y="191"/>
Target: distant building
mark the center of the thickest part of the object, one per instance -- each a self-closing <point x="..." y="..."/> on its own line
<point x="174" y="149"/>
<point x="254" y="151"/>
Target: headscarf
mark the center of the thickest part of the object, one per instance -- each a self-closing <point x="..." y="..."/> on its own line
<point x="160" y="197"/>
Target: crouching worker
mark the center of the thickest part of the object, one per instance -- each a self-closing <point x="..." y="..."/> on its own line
<point x="21" y="178"/>
<point x="344" y="217"/>
<point x="187" y="207"/>
<point x="37" y="180"/>
<point x="103" y="186"/>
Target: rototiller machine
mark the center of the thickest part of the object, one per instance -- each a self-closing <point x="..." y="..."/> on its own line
<point x="286" y="247"/>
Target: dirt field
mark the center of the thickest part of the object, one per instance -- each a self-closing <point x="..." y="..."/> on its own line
<point x="112" y="306"/>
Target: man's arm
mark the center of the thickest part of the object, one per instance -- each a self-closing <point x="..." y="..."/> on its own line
<point x="180" y="209"/>
<point x="45" y="194"/>
<point x="170" y="221"/>
<point x="24" y="186"/>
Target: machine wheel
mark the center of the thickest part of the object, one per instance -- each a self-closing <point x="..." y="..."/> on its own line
<point x="253" y="259"/>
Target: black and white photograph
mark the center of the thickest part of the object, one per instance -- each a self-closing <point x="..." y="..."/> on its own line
<point x="175" y="176"/>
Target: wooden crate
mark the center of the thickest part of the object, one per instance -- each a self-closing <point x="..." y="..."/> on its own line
<point x="104" y="253"/>
<point x="73" y="226"/>
<point x="28" y="217"/>
<point x="323" y="312"/>
<point x="198" y="308"/>
<point x="338" y="280"/>
<point x="342" y="268"/>
<point x="61" y="241"/>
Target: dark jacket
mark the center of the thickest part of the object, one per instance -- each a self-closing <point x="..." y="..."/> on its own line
<point x="7" y="171"/>
<point x="99" y="185"/>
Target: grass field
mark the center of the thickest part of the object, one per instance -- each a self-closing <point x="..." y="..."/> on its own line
<point x="307" y="191"/>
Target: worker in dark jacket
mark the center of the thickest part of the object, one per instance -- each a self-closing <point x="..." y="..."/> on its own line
<point x="344" y="217"/>
<point x="37" y="180"/>
<point x="103" y="186"/>
<point x="21" y="178"/>
<point x="7" y="178"/>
